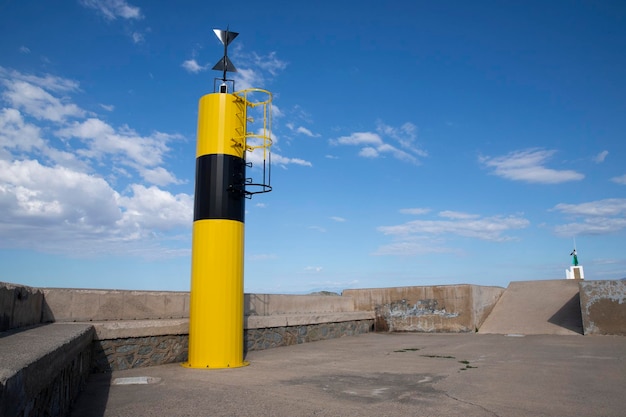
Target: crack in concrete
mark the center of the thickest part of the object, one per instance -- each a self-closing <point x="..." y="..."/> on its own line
<point x="472" y="404"/>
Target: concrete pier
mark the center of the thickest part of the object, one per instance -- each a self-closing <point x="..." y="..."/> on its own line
<point x="384" y="374"/>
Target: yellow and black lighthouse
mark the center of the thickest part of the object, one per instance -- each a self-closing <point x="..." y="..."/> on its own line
<point x="216" y="307"/>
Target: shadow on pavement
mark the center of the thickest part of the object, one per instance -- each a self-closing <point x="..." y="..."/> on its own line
<point x="92" y="400"/>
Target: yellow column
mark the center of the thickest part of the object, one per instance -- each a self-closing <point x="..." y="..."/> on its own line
<point x="216" y="301"/>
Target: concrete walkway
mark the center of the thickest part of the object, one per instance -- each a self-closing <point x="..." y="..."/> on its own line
<point x="384" y="375"/>
<point x="537" y="307"/>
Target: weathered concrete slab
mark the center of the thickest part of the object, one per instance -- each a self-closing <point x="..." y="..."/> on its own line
<point x="42" y="368"/>
<point x="20" y="306"/>
<point x="603" y="305"/>
<point x="391" y="375"/>
<point x="98" y="305"/>
<point x="68" y="304"/>
<point x="121" y="329"/>
<point x="443" y="308"/>
<point x="284" y="320"/>
<point x="537" y="307"/>
<point x="269" y="304"/>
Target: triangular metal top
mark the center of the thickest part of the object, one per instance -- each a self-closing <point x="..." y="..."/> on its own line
<point x="224" y="64"/>
<point x="225" y="36"/>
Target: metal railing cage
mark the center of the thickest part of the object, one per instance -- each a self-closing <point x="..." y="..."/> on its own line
<point x="259" y="140"/>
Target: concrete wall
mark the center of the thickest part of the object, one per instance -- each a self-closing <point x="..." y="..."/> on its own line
<point x="65" y="304"/>
<point x="455" y="308"/>
<point x="104" y="305"/>
<point x="449" y="308"/>
<point x="271" y="304"/>
<point x="20" y="306"/>
<point x="603" y="307"/>
<point x="484" y="299"/>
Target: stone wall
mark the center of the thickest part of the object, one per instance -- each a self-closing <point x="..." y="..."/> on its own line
<point x="266" y="338"/>
<point x="603" y="307"/>
<point x="136" y="352"/>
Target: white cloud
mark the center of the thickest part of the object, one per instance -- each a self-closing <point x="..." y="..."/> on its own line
<point x="270" y="63"/>
<point x="276" y="112"/>
<point x="16" y="134"/>
<point x="63" y="201"/>
<point x="607" y="207"/>
<point x="54" y="195"/>
<point x="599" y="158"/>
<point x="263" y="257"/>
<point x="256" y="158"/>
<point x="18" y="138"/>
<point x="306" y="132"/>
<point x="254" y="70"/>
<point x="24" y="50"/>
<point x="414" y="246"/>
<point x="37" y="102"/>
<point x="359" y="138"/>
<point x="158" y="176"/>
<point x="191" y="65"/>
<point x="153" y="208"/>
<point x="138" y="37"/>
<point x="405" y="135"/>
<point x="59" y="210"/>
<point x="338" y="219"/>
<point x="415" y="211"/>
<point x="107" y="107"/>
<point x="591" y="226"/>
<point x="301" y="130"/>
<point x="368" y="152"/>
<point x="619" y="180"/>
<point x="248" y="78"/>
<point x="457" y="215"/>
<point x="112" y="9"/>
<point x="134" y="150"/>
<point x="594" y="217"/>
<point x="376" y="144"/>
<point x="528" y="165"/>
<point x="460" y="224"/>
<point x="48" y="82"/>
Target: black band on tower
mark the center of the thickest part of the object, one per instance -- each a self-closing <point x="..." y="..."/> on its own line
<point x="220" y="181"/>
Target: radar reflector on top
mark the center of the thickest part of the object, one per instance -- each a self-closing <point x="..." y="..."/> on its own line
<point x="224" y="64"/>
<point x="225" y="36"/>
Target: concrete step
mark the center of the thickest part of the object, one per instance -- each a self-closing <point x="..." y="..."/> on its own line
<point x="537" y="307"/>
<point x="43" y="368"/>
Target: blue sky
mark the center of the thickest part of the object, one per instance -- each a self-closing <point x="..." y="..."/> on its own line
<point x="416" y="143"/>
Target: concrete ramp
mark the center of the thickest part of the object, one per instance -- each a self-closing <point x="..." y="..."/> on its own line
<point x="536" y="307"/>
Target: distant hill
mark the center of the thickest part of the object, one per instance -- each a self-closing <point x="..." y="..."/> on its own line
<point x="327" y="293"/>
